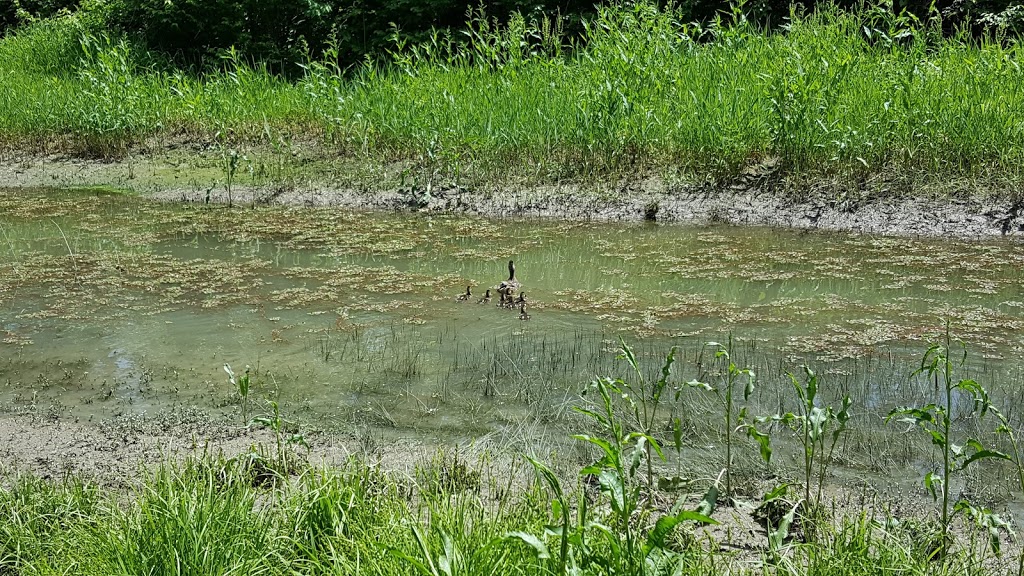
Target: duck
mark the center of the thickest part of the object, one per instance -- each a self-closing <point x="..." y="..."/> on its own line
<point x="507" y="287"/>
<point x="486" y="298"/>
<point x="523" y="315"/>
<point x="466" y="296"/>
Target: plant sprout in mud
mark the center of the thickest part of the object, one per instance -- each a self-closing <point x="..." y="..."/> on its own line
<point x="819" y="428"/>
<point x="936" y="419"/>
<point x="731" y="375"/>
<point x="621" y="453"/>
<point x="242" y="384"/>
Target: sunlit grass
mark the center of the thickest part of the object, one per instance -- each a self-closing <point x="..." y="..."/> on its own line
<point x="206" y="516"/>
<point x="643" y="93"/>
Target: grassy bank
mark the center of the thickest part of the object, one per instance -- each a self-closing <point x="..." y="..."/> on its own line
<point x="206" y="516"/>
<point x="853" y="96"/>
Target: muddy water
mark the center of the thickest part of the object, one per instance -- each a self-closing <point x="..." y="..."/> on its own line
<point x="112" y="305"/>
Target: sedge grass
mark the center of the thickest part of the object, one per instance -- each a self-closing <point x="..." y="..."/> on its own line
<point x="641" y="91"/>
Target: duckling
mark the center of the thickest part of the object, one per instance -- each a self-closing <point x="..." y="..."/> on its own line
<point x="513" y="303"/>
<point x="486" y="298"/>
<point x="508" y="287"/>
<point x="522" y="312"/>
<point x="466" y="296"/>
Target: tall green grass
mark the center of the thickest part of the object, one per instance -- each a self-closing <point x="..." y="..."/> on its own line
<point x="205" y="516"/>
<point x="854" y="94"/>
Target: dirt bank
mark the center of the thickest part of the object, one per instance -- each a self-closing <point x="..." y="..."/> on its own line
<point x="760" y="196"/>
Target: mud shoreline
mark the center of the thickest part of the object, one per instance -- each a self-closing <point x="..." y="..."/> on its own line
<point x="965" y="210"/>
<point x="116" y="452"/>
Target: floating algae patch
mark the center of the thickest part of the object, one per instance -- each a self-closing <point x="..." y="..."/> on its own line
<point x="112" y="305"/>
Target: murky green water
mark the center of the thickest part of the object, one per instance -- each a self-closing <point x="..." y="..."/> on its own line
<point x="112" y="305"/>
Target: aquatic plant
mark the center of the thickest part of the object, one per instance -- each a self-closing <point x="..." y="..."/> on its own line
<point x="242" y="385"/>
<point x="936" y="419"/>
<point x="730" y="376"/>
<point x="819" y="427"/>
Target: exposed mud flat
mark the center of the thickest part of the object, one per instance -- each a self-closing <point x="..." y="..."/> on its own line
<point x="116" y="455"/>
<point x="116" y="452"/>
<point x="194" y="174"/>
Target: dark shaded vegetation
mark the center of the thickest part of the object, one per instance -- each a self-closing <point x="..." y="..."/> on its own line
<point x="285" y="33"/>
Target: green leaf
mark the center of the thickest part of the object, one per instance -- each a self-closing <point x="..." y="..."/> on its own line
<point x="777" y="492"/>
<point x="627" y="353"/>
<point x="639" y="452"/>
<point x="415" y="562"/>
<point x="663" y="527"/>
<point x="812" y="384"/>
<point x="816" y="418"/>
<point x="983" y="454"/>
<point x="610" y="453"/>
<point x="538" y="546"/>
<point x="597" y="417"/>
<point x="985" y="519"/>
<point x="778" y="536"/>
<point x="666" y="371"/>
<point x="702" y="385"/>
<point x="709" y="502"/>
<point x="448" y="561"/>
<point x="763" y="441"/>
<point x="749" y="388"/>
<point x="938" y="439"/>
<point x="611" y="483"/>
<point x="549" y="477"/>
<point x="421" y="543"/>
<point x="933" y="482"/>
<point x="693" y="516"/>
<point x="843" y="417"/>
<point x="922" y="415"/>
<point x="650" y="440"/>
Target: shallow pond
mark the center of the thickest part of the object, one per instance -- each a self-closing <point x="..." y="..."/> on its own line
<point x="110" y="305"/>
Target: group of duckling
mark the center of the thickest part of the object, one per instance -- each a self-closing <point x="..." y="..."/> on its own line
<point x="506" y="294"/>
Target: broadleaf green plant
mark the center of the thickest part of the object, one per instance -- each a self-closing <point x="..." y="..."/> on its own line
<point x="731" y="375"/>
<point x="617" y="470"/>
<point x="643" y="400"/>
<point x="819" y="428"/>
<point x="937" y="421"/>
<point x="284" y="443"/>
